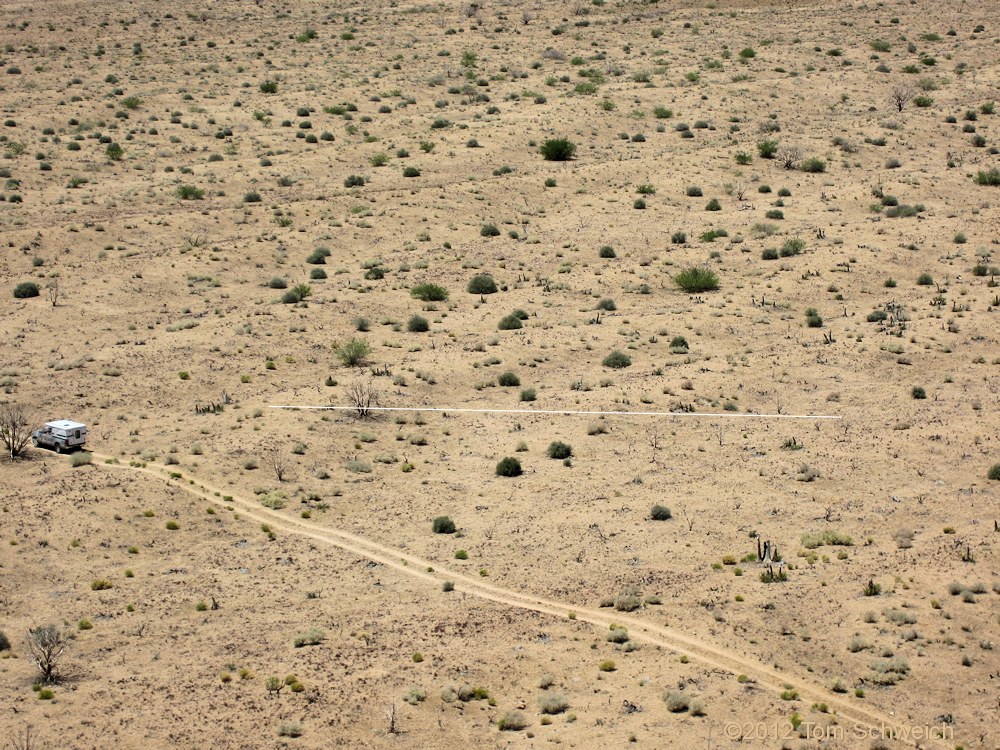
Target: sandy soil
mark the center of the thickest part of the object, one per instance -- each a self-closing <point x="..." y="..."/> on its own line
<point x="159" y="298"/>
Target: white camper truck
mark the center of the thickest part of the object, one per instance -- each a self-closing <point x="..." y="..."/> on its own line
<point x="62" y="435"/>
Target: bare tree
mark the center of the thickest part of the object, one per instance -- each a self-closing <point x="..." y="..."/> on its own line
<point x="900" y="96"/>
<point x="52" y="290"/>
<point x="45" y="647"/>
<point x="15" y="429"/>
<point x="790" y="156"/>
<point x="363" y="396"/>
<point x="278" y="463"/>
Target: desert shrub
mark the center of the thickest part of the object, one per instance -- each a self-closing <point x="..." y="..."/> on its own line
<point x="553" y="703"/>
<point x="877" y="316"/>
<point x="101" y="584"/>
<point x="558" y="149"/>
<point x="489" y="230"/>
<point x="190" y="193"/>
<point x="317" y="274"/>
<point x="918" y="393"/>
<point x="26" y="289"/>
<point x="925" y="279"/>
<point x="312" y="637"/>
<point x="411" y="172"/>
<point x="510" y="323"/>
<point x="693" y="191"/>
<point x="417" y="324"/>
<point x="813" y="165"/>
<point x="443" y="525"/>
<point x="694" y="279"/>
<point x="512" y="721"/>
<point x="607" y="304"/>
<point x="296" y="294"/>
<point x="994" y="473"/>
<point x="269" y="87"/>
<point x="559" y="450"/>
<point x="318" y="256"/>
<point x="606" y="252"/>
<point x="277" y="282"/>
<point x="678" y="238"/>
<point x="713" y="205"/>
<point x="353" y="353"/>
<point x="988" y="177"/>
<point x="509" y="467"/>
<point x="769" y="253"/>
<point x="482" y="284"/>
<point x="290" y="729"/>
<point x="813" y="319"/>
<point x="660" y="513"/>
<point x="4" y="642"/>
<point x="826" y="538"/>
<point x="81" y="459"/>
<point x="617" y="360"/>
<point x="767" y="149"/>
<point x="251" y="196"/>
<point x="508" y="380"/>
<point x="627" y="601"/>
<point x="429" y="293"/>
<point x="354" y="180"/>
<point x="677" y="702"/>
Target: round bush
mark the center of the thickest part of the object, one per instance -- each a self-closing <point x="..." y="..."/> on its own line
<point x="919" y="393"/>
<point x="417" y="324"/>
<point x="693" y="280"/>
<point x="489" y="230"/>
<point x="482" y="284"/>
<point x="660" y="513"/>
<point x="678" y="342"/>
<point x="617" y="360"/>
<point x="317" y="274"/>
<point x="26" y="289"/>
<point x="994" y="473"/>
<point x="559" y="450"/>
<point x="277" y="283"/>
<point x="558" y="149"/>
<point x="607" y="305"/>
<point x="443" y="525"/>
<point x="509" y="467"/>
<point x="607" y="252"/>
<point x="508" y="380"/>
<point x="510" y="323"/>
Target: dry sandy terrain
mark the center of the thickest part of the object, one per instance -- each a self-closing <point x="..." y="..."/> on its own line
<point x="170" y="175"/>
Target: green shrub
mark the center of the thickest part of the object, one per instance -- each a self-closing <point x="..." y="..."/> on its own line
<point x="553" y="703"/>
<point x="508" y="380"/>
<point x="769" y="253"/>
<point x="417" y="324"/>
<point x="317" y="274"/>
<point x="510" y="323"/>
<point x="558" y="149"/>
<point x="4" y="642"/>
<point x="411" y="172"/>
<point x="607" y="305"/>
<point x="100" y="585"/>
<point x="813" y="165"/>
<point x="925" y="279"/>
<point x="353" y="353"/>
<point x="693" y="191"/>
<point x="713" y="205"/>
<point x="26" y="289"/>
<point x="775" y="214"/>
<point x="429" y="293"/>
<point x="509" y="467"/>
<point x="988" y="177"/>
<point x="528" y="394"/>
<point x="318" y="256"/>
<point x="694" y="280"/>
<point x="354" y="180"/>
<point x="269" y="87"/>
<point x="559" y="450"/>
<point x="678" y="238"/>
<point x="489" y="230"/>
<point x="277" y="282"/>
<point x="443" y="525"/>
<point x="767" y="149"/>
<point x="617" y="360"/>
<point x="607" y="252"/>
<point x="482" y="284"/>
<point x="660" y="513"/>
<point x="918" y="393"/>
<point x="993" y="474"/>
<point x="296" y="294"/>
<point x="190" y="193"/>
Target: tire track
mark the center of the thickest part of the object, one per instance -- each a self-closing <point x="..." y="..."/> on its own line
<point x="866" y="717"/>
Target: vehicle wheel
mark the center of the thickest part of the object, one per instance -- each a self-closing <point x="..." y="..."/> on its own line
<point x="59" y="447"/>
<point x="35" y="443"/>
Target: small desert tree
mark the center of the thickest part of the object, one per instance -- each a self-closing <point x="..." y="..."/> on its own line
<point x="45" y="647"/>
<point x="15" y="429"/>
<point x="278" y="463"/>
<point x="363" y="397"/>
<point x="52" y="290"/>
<point x="900" y="95"/>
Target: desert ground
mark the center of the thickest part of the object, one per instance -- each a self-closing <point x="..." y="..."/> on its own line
<point x="212" y="209"/>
